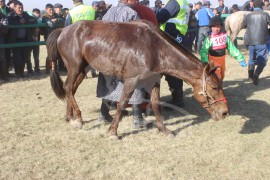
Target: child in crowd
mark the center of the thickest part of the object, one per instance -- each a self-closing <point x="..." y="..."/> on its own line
<point x="215" y="45"/>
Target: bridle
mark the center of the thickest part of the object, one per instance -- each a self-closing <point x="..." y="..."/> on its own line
<point x="209" y="99"/>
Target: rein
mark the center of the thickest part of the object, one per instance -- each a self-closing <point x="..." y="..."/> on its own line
<point x="207" y="95"/>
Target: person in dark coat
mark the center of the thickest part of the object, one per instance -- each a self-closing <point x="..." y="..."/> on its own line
<point x="22" y="55"/>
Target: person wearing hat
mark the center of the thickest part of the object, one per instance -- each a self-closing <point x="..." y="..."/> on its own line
<point x="203" y="16"/>
<point x="95" y="5"/>
<point x="173" y="19"/>
<point x="256" y="37"/>
<point x="58" y="10"/>
<point x="215" y="45"/>
<point x="80" y="12"/>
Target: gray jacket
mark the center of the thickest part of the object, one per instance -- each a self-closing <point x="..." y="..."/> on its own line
<point x="257" y="27"/>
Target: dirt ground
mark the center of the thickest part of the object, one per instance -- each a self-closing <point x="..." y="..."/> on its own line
<point x="37" y="143"/>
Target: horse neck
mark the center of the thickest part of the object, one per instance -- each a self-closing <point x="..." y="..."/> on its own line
<point x="182" y="65"/>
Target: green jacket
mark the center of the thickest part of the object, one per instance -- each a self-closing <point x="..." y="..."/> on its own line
<point x="230" y="46"/>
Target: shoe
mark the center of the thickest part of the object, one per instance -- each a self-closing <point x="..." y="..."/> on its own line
<point x="139" y="122"/>
<point x="105" y="118"/>
<point x="255" y="79"/>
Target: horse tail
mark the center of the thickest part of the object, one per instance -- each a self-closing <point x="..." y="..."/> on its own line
<point x="53" y="55"/>
<point x="51" y="44"/>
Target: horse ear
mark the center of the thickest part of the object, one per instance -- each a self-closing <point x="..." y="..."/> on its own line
<point x="211" y="68"/>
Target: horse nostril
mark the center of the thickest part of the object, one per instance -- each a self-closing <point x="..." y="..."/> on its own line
<point x="225" y="114"/>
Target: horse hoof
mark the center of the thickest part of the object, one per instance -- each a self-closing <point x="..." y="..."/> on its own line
<point x="171" y="136"/>
<point x="76" y="124"/>
<point x="114" y="138"/>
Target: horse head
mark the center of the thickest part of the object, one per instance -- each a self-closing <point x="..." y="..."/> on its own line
<point x="209" y="93"/>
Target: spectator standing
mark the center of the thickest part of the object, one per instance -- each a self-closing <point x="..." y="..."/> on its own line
<point x="203" y="16"/>
<point x="3" y="8"/>
<point x="80" y="12"/>
<point x="158" y="6"/>
<point x="36" y="37"/>
<point x="249" y="6"/>
<point x="235" y="8"/>
<point x="266" y="5"/>
<point x="53" y="22"/>
<point x="222" y="9"/>
<point x="3" y="32"/>
<point x="102" y="9"/>
<point x="10" y="4"/>
<point x="256" y="38"/>
<point x="95" y="5"/>
<point x="61" y="23"/>
<point x="215" y="45"/>
<point x="192" y="25"/>
<point x="22" y="55"/>
<point x="173" y="19"/>
<point x="198" y="6"/>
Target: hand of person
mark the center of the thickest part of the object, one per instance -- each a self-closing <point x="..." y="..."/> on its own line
<point x="243" y="63"/>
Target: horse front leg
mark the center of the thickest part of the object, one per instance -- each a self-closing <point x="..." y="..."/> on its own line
<point x="155" y="101"/>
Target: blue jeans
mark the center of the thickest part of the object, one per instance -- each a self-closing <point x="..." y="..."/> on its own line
<point x="203" y="33"/>
<point x="257" y="55"/>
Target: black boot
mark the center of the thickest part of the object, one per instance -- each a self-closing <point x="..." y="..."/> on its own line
<point x="104" y="114"/>
<point x="138" y="120"/>
<point x="177" y="98"/>
<point x="257" y="73"/>
<point x="251" y="72"/>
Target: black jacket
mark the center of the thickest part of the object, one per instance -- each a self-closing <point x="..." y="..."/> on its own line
<point x="14" y="19"/>
<point x="257" y="28"/>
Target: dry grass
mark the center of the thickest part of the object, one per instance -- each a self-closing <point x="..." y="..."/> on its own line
<point x="37" y="143"/>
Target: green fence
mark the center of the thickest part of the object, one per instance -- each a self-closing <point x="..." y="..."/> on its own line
<point x="12" y="45"/>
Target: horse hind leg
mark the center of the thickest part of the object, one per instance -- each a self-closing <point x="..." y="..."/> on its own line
<point x="155" y="100"/>
<point x="74" y="78"/>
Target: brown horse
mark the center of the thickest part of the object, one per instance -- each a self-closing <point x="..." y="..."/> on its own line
<point x="136" y="52"/>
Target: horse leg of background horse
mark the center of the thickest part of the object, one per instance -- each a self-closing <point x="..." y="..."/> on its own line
<point x="155" y="104"/>
<point x="71" y="87"/>
<point x="129" y="87"/>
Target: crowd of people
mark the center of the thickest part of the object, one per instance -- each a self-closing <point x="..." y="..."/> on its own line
<point x="197" y="26"/>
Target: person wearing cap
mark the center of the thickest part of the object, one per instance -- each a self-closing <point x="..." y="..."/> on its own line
<point x="58" y="10"/>
<point x="215" y="46"/>
<point x="203" y="16"/>
<point x="79" y="12"/>
<point x="173" y="19"/>
<point x="53" y="22"/>
<point x="157" y="7"/>
<point x="256" y="37"/>
<point x="222" y="9"/>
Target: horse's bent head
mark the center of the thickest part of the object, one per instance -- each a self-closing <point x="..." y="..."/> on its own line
<point x="209" y="94"/>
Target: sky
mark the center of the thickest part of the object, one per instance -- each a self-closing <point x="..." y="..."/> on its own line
<point x="30" y="4"/>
